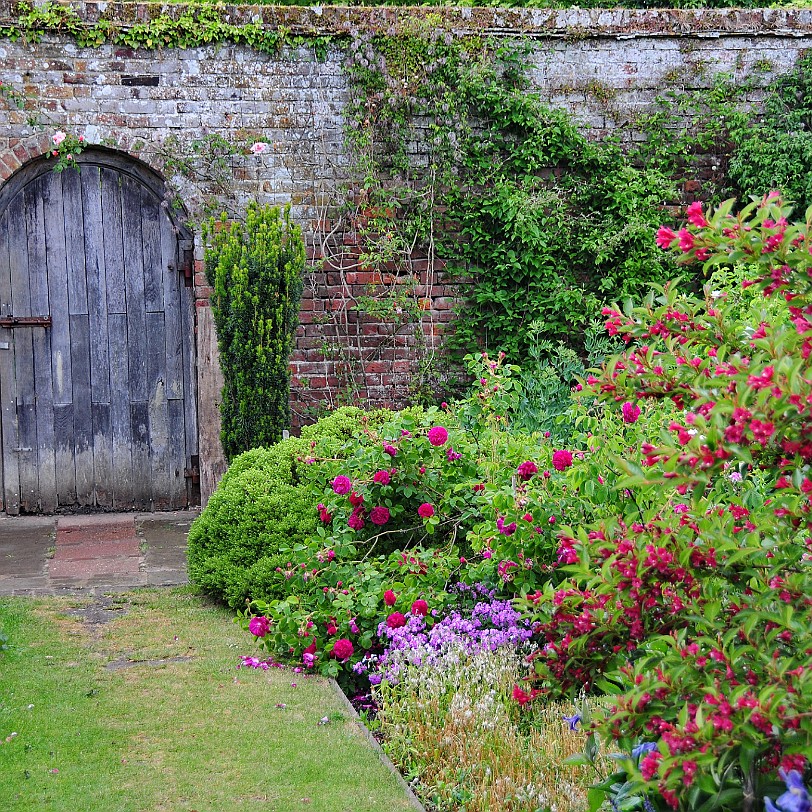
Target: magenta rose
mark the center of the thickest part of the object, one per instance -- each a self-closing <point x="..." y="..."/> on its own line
<point x="389" y="598"/>
<point x="356" y="520"/>
<point x="343" y="649"/>
<point x="426" y="510"/>
<point x="379" y="515"/>
<point x="396" y="620"/>
<point x="342" y="485"/>
<point x="420" y="607"/>
<point x="381" y="477"/>
<point x="438" y="435"/>
<point x="527" y="469"/>
<point x="562" y="460"/>
<point x="259" y="626"/>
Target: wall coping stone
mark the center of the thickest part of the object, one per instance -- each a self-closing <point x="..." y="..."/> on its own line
<point x="571" y="23"/>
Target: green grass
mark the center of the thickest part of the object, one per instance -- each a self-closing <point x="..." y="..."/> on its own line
<point x="192" y="735"/>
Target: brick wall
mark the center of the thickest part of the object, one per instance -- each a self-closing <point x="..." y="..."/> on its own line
<point x="603" y="66"/>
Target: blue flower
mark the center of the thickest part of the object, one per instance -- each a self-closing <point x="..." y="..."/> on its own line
<point x="643" y="747"/>
<point x="795" y="799"/>
<point x="573" y="721"/>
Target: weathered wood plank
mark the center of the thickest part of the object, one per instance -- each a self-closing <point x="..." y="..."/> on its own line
<point x="91" y="181"/>
<point x="187" y="316"/>
<point x="26" y="445"/>
<point x="102" y="456"/>
<point x="158" y="416"/>
<point x="74" y="243"/>
<point x="120" y="419"/>
<point x="142" y="472"/>
<point x="134" y="282"/>
<point x="57" y="261"/>
<point x="64" y="449"/>
<point x="177" y="456"/>
<point x="174" y="325"/>
<point x="37" y="209"/>
<point x="151" y="216"/>
<point x="8" y="383"/>
<point x="111" y="188"/>
<point x="210" y="385"/>
<point x="82" y="413"/>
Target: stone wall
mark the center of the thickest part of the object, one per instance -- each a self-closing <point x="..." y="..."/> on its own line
<point x="603" y="66"/>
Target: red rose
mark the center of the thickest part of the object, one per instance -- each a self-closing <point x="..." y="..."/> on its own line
<point x="420" y="607"/>
<point x="389" y="597"/>
<point x="343" y="649"/>
<point x="396" y="620"/>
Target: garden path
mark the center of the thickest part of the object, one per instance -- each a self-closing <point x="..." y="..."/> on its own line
<point x="52" y="555"/>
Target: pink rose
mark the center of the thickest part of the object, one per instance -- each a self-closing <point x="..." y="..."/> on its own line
<point x="342" y="485"/>
<point x="343" y="649"/>
<point x="379" y="515"/>
<point x="59" y="137"/>
<point x="438" y="435"/>
<point x="426" y="510"/>
<point x="420" y="607"/>
<point x="527" y="469"/>
<point x="562" y="460"/>
<point x="389" y="598"/>
<point x="381" y="477"/>
<point x="259" y="626"/>
<point x="396" y="620"/>
<point x="259" y="147"/>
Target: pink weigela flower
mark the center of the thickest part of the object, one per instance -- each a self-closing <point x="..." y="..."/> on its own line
<point x="695" y="216"/>
<point x="342" y="485"/>
<point x="343" y="649"/>
<point x="665" y="236"/>
<point x="631" y="412"/>
<point x="259" y="626"/>
<point x="379" y="515"/>
<point x="527" y="469"/>
<point x="438" y="435"/>
<point x="426" y="510"/>
<point x="562" y="459"/>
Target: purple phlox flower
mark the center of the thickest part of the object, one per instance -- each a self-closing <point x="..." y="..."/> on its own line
<point x="573" y="721"/>
<point x="795" y="799"/>
<point x="642" y="748"/>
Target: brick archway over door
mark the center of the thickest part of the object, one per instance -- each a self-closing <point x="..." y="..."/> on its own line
<point x="98" y="396"/>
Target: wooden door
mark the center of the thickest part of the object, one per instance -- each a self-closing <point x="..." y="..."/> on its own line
<point x="97" y="386"/>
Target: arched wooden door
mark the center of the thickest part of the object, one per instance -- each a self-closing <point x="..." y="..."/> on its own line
<point x="98" y="400"/>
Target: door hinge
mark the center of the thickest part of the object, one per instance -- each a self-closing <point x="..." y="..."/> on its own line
<point x="25" y="321"/>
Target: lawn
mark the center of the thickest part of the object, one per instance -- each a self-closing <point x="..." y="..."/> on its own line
<point x="136" y="703"/>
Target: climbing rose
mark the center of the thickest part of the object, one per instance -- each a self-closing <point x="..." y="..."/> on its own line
<point x="343" y="649"/>
<point x="379" y="515"/>
<point x="527" y="469"/>
<point x="381" y="477"/>
<point x="323" y="514"/>
<point x="390" y="449"/>
<point x="562" y="460"/>
<point x="356" y="499"/>
<point x="420" y="607"/>
<point x="396" y="620"/>
<point x="258" y="148"/>
<point x="342" y="485"/>
<point x="59" y="137"/>
<point x="631" y="411"/>
<point x="259" y="626"/>
<point x="438" y="435"/>
<point x="389" y="597"/>
<point x="426" y="510"/>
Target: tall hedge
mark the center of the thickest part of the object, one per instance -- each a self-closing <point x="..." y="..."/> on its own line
<point x="256" y="270"/>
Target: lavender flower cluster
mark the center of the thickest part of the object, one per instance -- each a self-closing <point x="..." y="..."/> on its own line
<point x="492" y="625"/>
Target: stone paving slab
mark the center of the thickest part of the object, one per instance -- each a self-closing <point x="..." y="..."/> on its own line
<point x="92" y="554"/>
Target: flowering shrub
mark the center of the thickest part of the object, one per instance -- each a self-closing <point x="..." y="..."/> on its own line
<point x="66" y="147"/>
<point x="699" y="612"/>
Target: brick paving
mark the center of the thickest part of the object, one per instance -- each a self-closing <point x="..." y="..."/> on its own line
<point x="92" y="554"/>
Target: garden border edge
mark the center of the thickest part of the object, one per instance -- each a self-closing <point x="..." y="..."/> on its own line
<point x="384" y="759"/>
